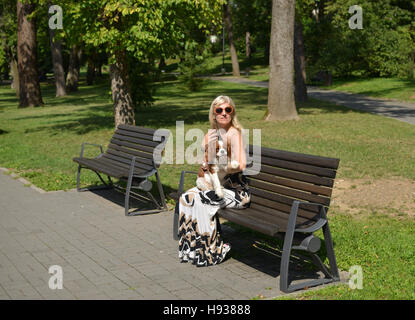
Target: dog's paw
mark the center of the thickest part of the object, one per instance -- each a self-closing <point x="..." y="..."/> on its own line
<point x="201" y="184"/>
<point x="234" y="164"/>
<point x="219" y="193"/>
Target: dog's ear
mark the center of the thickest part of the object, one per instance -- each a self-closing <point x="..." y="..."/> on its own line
<point x="206" y="153"/>
<point x="228" y="147"/>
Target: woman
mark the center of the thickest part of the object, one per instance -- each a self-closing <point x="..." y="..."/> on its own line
<point x="199" y="239"/>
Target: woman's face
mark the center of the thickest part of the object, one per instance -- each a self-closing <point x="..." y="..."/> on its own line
<point x="223" y="115"/>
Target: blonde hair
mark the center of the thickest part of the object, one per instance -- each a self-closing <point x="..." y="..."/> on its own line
<point x="212" y="117"/>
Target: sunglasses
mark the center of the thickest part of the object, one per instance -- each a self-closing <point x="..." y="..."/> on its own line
<point x="228" y="110"/>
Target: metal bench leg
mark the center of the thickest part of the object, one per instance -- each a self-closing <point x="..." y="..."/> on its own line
<point x="78" y="177"/>
<point x="176" y="221"/>
<point x="105" y="186"/>
<point x="127" y="192"/>
<point x="286" y="251"/>
<point x="332" y="275"/>
<point x="330" y="253"/>
<point x="161" y="192"/>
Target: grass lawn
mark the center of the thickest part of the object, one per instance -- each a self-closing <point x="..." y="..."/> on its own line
<point x="39" y="144"/>
<point x="389" y="88"/>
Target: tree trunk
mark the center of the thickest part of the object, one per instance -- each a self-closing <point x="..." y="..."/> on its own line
<point x="72" y="77"/>
<point x="90" y="72"/>
<point x="59" y="73"/>
<point x="232" y="49"/>
<point x="281" y="104"/>
<point x="15" y="75"/>
<point x="248" y="51"/>
<point x="248" y="44"/>
<point x="30" y="94"/>
<point x="121" y="94"/>
<point x="299" y="63"/>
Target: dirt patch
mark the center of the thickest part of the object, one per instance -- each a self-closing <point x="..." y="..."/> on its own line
<point x="394" y="196"/>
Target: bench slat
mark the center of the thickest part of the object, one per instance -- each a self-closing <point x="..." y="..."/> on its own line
<point x="122" y="166"/>
<point x="289" y="192"/>
<point x="138" y="129"/>
<point x="324" y="162"/>
<point x="122" y="155"/>
<point x="126" y="162"/>
<point x="265" y="206"/>
<point x="109" y="167"/>
<point x="141" y="156"/>
<point x="282" y="203"/>
<point x="323" y="172"/>
<point x="295" y="175"/>
<point x="135" y="134"/>
<point x="137" y="141"/>
<point x="293" y="184"/>
<point x="94" y="164"/>
<point x="147" y="149"/>
<point x="248" y="221"/>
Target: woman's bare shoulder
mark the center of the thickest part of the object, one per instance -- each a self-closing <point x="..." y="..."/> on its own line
<point x="233" y="131"/>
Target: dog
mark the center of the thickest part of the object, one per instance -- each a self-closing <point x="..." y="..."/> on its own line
<point x="211" y="175"/>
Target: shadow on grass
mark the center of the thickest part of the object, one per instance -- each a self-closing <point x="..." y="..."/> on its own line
<point x="164" y="113"/>
<point x="264" y="253"/>
<point x="79" y="126"/>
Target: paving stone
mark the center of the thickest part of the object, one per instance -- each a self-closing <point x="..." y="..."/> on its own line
<point x="106" y="255"/>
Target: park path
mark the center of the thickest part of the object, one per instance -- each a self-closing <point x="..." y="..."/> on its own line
<point x="106" y="255"/>
<point x="399" y="110"/>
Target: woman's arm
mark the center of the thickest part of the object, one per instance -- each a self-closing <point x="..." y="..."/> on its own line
<point x="237" y="151"/>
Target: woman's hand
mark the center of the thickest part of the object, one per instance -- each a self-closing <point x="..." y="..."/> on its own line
<point x="212" y="135"/>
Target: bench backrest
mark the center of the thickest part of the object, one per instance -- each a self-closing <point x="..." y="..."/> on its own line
<point x="288" y="176"/>
<point x="129" y="141"/>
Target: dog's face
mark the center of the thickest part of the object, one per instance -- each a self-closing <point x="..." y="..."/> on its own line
<point x="220" y="150"/>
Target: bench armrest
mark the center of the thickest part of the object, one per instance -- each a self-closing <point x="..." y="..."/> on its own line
<point x="181" y="183"/>
<point x="322" y="220"/>
<point x="91" y="144"/>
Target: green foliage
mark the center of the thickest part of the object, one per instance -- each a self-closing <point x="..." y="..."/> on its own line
<point x="193" y="64"/>
<point x="255" y="17"/>
<point x="384" y="47"/>
<point x="8" y="32"/>
<point x="145" y="30"/>
<point x="141" y="75"/>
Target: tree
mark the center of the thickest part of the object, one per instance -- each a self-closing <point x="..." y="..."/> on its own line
<point x="300" y="91"/>
<point x="121" y="90"/>
<point x="232" y="49"/>
<point x="281" y="104"/>
<point x="8" y="31"/>
<point x="74" y="66"/>
<point x="56" y="50"/>
<point x="30" y="94"/>
<point x="251" y="22"/>
<point x="139" y="29"/>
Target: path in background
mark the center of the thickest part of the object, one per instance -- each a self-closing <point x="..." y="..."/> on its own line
<point x="402" y="111"/>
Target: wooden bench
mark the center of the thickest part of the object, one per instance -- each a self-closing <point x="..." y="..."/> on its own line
<point x="130" y="158"/>
<point x="290" y="198"/>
